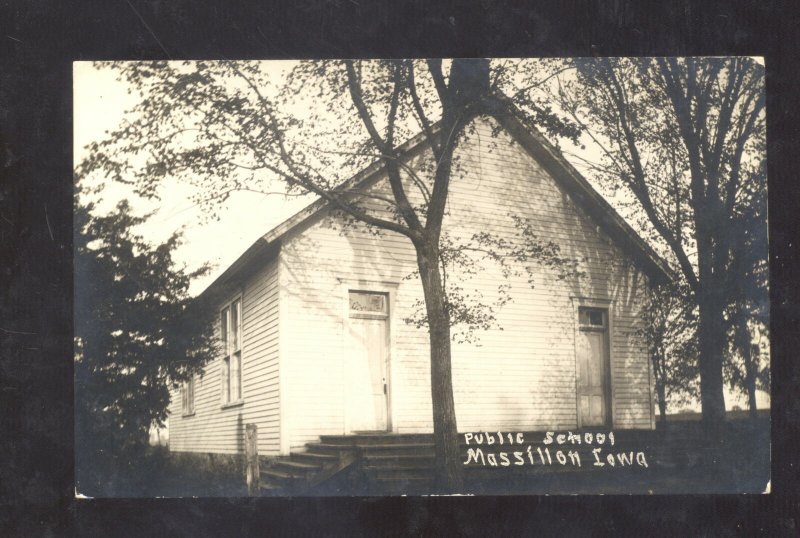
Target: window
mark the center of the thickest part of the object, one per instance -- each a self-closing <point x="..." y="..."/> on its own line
<point x="365" y="304"/>
<point x="231" y="333"/>
<point x="592" y="317"/>
<point x="187" y="397"/>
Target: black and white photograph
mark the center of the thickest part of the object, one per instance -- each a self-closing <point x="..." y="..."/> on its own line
<point x="504" y="276"/>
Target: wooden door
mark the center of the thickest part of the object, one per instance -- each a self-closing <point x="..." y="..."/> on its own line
<point x="367" y="369"/>
<point x="593" y="368"/>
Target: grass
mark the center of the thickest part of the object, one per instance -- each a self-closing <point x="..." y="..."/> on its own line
<point x="732" y="415"/>
<point x="155" y="473"/>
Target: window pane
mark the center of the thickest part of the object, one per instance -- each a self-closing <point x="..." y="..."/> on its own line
<point x="361" y="301"/>
<point x="226" y="380"/>
<point x="593" y="317"/>
<point x="236" y="376"/>
<point x="190" y="405"/>
<point x="236" y="319"/>
<point x="224" y="330"/>
<point x="239" y="376"/>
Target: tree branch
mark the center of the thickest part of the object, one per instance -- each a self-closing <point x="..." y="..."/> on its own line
<point x="294" y="177"/>
<point x="639" y="183"/>
<point x="386" y="147"/>
<point x="420" y="112"/>
<point x="358" y="100"/>
<point x="420" y="184"/>
<point x="435" y="68"/>
<point x="682" y="106"/>
<point x="744" y="133"/>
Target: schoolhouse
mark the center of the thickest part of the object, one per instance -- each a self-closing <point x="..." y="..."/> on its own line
<point x="311" y="317"/>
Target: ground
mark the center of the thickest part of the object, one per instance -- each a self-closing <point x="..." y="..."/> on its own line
<point x="742" y="465"/>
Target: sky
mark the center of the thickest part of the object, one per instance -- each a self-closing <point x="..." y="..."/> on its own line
<point x="100" y="102"/>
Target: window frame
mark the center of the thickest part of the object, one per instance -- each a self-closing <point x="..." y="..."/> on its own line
<point x="585" y="323"/>
<point x="368" y="314"/>
<point x="232" y="344"/>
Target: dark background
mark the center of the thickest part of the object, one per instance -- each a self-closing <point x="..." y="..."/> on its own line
<point x="38" y="41"/>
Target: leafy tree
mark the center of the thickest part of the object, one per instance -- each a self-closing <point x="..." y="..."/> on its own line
<point x="682" y="139"/>
<point x="137" y="333"/>
<point x="226" y="126"/>
<point x="670" y="331"/>
<point x="747" y="368"/>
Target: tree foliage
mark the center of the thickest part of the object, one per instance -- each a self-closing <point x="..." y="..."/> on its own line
<point x="747" y="366"/>
<point x="137" y="331"/>
<point x="669" y="330"/>
<point x="519" y="254"/>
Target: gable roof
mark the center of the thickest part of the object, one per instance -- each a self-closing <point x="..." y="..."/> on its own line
<point x="534" y="143"/>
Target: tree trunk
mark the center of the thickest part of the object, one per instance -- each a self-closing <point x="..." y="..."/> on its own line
<point x="449" y="476"/>
<point x="711" y="330"/>
<point x="750" y="379"/>
<point x="712" y="339"/>
<point x="662" y="403"/>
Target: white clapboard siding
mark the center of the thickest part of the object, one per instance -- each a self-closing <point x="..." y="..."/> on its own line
<point x="522" y="377"/>
<point x="221" y="430"/>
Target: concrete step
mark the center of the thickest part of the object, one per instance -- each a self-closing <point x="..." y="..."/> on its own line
<point x="296" y="468"/>
<point x="377" y="438"/>
<point x="276" y="477"/>
<point x="300" y="470"/>
<point x="328" y="449"/>
<point x="381" y="460"/>
<point x="398" y="448"/>
<point x="314" y="457"/>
